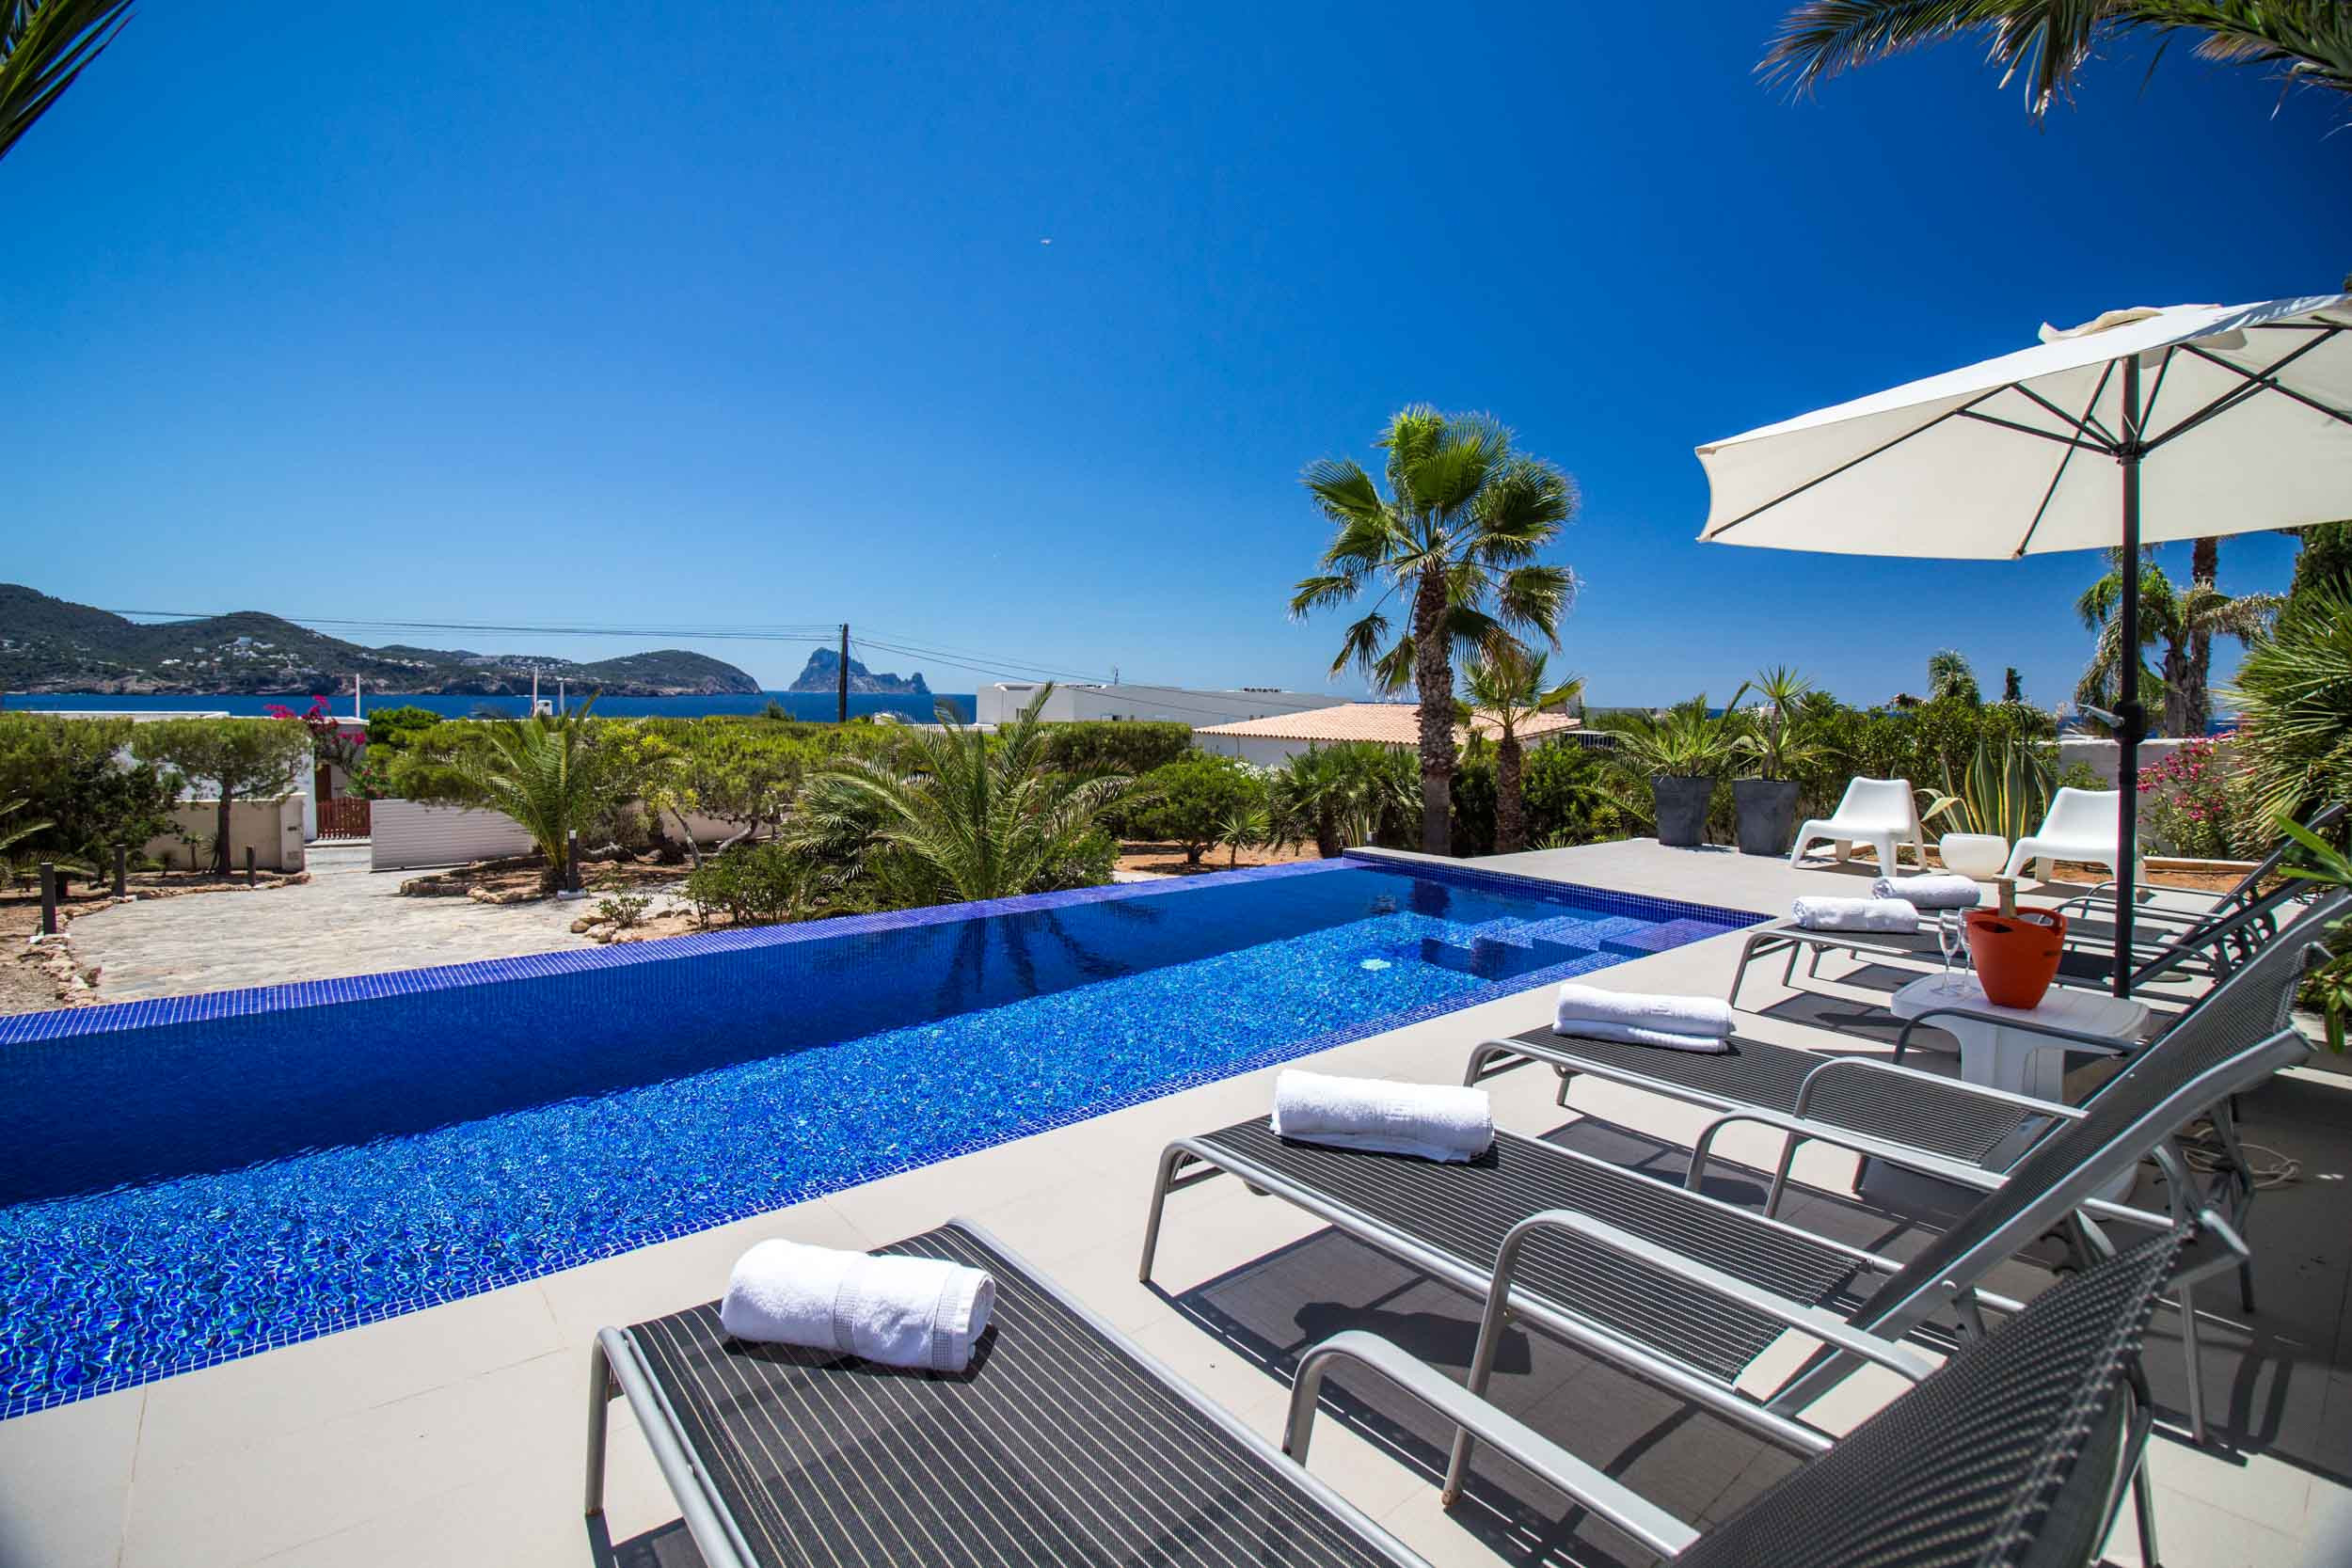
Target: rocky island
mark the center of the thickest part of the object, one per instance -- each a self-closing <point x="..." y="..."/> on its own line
<point x="822" y="672"/>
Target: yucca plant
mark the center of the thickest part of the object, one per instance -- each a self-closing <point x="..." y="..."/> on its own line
<point x="1679" y="753"/>
<point x="2004" y="791"/>
<point x="1684" y="741"/>
<point x="967" y="817"/>
<point x="546" y="773"/>
<point x="1243" y="827"/>
<point x="1772" y="741"/>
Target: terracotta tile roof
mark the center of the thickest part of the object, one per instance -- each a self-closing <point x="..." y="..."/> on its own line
<point x="1390" y="724"/>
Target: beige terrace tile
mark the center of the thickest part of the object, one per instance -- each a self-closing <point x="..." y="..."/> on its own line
<point x="65" y="1474"/>
<point x="309" y="1383"/>
<point x="227" y="1506"/>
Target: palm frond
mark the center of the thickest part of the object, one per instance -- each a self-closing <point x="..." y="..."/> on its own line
<point x="44" y="46"/>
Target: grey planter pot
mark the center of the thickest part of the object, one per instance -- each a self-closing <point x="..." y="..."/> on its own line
<point x="1682" y="809"/>
<point x="1768" y="815"/>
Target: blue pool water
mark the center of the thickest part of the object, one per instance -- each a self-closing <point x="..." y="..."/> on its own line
<point x="188" y="1181"/>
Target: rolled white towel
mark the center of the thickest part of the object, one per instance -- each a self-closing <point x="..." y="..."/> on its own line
<point x="1942" y="891"/>
<point x="1890" y="916"/>
<point x="1433" y="1121"/>
<point x="1704" y="1017"/>
<point x="920" y="1312"/>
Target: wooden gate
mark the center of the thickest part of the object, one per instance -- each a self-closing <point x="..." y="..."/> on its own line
<point x="345" y="816"/>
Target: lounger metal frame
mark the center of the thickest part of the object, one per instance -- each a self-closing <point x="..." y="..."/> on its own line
<point x="2211" y="947"/>
<point x="1957" y="1287"/>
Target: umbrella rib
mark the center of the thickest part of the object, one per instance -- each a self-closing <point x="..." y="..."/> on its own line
<point x="2257" y="383"/>
<point x="2081" y="441"/>
<point x="1849" y="463"/>
<point x="2088" y="425"/>
<point x="2051" y="493"/>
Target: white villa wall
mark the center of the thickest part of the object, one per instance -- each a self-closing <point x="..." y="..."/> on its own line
<point x="2106" y="758"/>
<point x="1001" y="703"/>
<point x="273" y="829"/>
<point x="405" y="836"/>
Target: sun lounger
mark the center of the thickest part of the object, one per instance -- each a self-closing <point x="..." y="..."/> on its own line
<point x="1583" y="1284"/>
<point x="2208" y="948"/>
<point x="1917" y="1481"/>
<point x="1965" y="1122"/>
<point x="1064" y="1444"/>
<point x="1882" y="813"/>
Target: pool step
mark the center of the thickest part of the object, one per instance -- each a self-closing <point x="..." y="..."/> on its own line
<point x="1658" y="938"/>
<point x="1495" y="957"/>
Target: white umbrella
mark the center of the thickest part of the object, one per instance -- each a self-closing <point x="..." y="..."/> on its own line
<point x="2143" y="426"/>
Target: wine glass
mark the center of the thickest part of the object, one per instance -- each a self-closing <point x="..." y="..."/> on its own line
<point x="1948" y="935"/>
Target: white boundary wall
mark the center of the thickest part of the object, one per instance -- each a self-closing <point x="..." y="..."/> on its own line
<point x="403" y="835"/>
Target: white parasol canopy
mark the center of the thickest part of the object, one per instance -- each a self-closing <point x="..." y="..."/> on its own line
<point x="2143" y="426"/>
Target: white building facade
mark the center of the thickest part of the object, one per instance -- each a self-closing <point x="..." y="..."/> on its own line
<point x="1002" y="702"/>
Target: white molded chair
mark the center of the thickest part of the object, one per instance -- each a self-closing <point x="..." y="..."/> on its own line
<point x="2080" y="826"/>
<point x="1881" y="813"/>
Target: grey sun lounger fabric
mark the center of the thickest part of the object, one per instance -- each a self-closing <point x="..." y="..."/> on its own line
<point x="1905" y="1109"/>
<point x="1057" y="1446"/>
<point x="1463" y="1212"/>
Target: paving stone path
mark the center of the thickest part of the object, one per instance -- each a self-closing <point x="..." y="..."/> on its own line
<point x="344" y="921"/>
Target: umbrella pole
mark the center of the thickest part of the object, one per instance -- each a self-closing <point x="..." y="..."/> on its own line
<point x="2134" y="723"/>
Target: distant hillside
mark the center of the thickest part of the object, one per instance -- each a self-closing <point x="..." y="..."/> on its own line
<point x="52" y="645"/>
<point x="822" y="672"/>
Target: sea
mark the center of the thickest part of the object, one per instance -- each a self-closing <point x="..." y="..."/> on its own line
<point x="814" y="706"/>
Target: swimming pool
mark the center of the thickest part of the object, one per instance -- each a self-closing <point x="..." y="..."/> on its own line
<point x="195" y="1178"/>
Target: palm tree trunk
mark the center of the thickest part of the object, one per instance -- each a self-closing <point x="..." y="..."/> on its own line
<point x="2184" y="690"/>
<point x="2205" y="565"/>
<point x="1326" y="832"/>
<point x="1510" y="803"/>
<point x="1433" y="673"/>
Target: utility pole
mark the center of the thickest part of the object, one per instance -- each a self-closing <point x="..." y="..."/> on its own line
<point x="841" y="690"/>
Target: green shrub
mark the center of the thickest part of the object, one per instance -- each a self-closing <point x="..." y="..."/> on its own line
<point x="1130" y="745"/>
<point x="1088" y="862"/>
<point x="755" y="884"/>
<point x="1475" y="787"/>
<point x="1187" y="802"/>
<point x="1571" y="799"/>
<point x="68" y="774"/>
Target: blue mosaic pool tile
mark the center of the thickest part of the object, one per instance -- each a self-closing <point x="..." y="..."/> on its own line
<point x="192" y="1179"/>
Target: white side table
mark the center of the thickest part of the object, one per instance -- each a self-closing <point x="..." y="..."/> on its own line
<point x="1997" y="1056"/>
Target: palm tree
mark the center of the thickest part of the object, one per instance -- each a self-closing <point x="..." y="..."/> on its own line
<point x="2295" y="690"/>
<point x="1950" y="675"/>
<point x="2177" y="617"/>
<point x="1459" y="530"/>
<point x="2049" y="42"/>
<point x="971" y="819"/>
<point x="1506" y="686"/>
<point x="548" y="774"/>
<point x="44" y="44"/>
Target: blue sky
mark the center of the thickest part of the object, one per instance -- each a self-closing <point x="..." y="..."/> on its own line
<point x="539" y="312"/>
